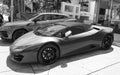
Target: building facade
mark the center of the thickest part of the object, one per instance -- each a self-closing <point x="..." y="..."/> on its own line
<point x="98" y="11"/>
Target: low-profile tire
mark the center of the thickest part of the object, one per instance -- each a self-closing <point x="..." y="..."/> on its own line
<point x="48" y="54"/>
<point x="107" y="42"/>
<point x="18" y="33"/>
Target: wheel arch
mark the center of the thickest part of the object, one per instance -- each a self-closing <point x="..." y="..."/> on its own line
<point x="54" y="43"/>
<point x="18" y="30"/>
<point x="107" y="34"/>
<point x="111" y="34"/>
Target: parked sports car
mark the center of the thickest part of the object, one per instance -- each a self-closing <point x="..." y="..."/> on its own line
<point x="46" y="45"/>
<point x="13" y="30"/>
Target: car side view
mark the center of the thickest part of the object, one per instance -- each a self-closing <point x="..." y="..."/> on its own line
<point x="13" y="30"/>
<point x="46" y="45"/>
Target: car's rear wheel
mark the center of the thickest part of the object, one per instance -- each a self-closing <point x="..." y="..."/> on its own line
<point x="18" y="33"/>
<point x="48" y="54"/>
<point x="107" y="42"/>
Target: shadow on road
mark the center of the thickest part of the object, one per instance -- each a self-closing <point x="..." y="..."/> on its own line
<point x="63" y="62"/>
<point x="5" y="43"/>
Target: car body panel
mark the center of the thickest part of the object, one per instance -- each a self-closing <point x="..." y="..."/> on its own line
<point x="78" y="41"/>
<point x="89" y="38"/>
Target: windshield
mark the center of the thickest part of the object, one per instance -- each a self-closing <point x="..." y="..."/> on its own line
<point x="49" y="31"/>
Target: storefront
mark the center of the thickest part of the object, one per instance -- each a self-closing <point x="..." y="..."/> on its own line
<point x="103" y="12"/>
<point x="115" y="16"/>
<point x="83" y="10"/>
<point x="93" y="10"/>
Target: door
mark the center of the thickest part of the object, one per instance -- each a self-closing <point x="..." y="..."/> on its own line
<point x="73" y="41"/>
<point x="78" y="39"/>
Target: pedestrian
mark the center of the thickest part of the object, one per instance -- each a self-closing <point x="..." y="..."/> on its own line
<point x="1" y="19"/>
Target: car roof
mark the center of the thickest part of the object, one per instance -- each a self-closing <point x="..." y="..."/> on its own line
<point x="38" y="14"/>
<point x="53" y="13"/>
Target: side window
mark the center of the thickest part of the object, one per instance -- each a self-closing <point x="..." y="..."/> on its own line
<point x="54" y="17"/>
<point x="77" y="30"/>
<point x="59" y="34"/>
<point x="48" y="17"/>
<point x="40" y="18"/>
<point x="44" y="17"/>
<point x="59" y="17"/>
<point x="63" y="17"/>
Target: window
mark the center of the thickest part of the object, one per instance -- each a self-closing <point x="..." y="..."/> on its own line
<point x="40" y="18"/>
<point x="59" y="17"/>
<point x="48" y="17"/>
<point x="44" y="17"/>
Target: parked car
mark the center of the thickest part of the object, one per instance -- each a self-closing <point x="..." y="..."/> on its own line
<point x="46" y="45"/>
<point x="13" y="30"/>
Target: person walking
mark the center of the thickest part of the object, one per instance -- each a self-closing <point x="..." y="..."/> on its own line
<point x="1" y="19"/>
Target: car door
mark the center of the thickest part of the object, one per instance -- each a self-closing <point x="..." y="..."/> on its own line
<point x="73" y="42"/>
<point x="79" y="39"/>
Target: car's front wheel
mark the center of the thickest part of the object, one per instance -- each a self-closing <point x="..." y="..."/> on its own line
<point x="107" y="42"/>
<point x="18" y="33"/>
<point x="48" y="54"/>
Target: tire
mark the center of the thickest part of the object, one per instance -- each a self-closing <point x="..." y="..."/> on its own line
<point x="18" y="33"/>
<point x="107" y="42"/>
<point x="48" y="54"/>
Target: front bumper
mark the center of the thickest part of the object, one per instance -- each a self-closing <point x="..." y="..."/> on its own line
<point x="3" y="33"/>
<point x="24" y="57"/>
<point x="6" y="34"/>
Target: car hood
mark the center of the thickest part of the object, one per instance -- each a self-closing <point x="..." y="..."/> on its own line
<point x="17" y="23"/>
<point x="31" y="39"/>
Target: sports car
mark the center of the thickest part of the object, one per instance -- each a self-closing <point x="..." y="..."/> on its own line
<point x="46" y="45"/>
<point x="13" y="30"/>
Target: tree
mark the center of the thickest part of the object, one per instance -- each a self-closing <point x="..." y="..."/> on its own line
<point x="8" y="2"/>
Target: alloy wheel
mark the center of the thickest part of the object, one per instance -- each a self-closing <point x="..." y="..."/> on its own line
<point x="48" y="54"/>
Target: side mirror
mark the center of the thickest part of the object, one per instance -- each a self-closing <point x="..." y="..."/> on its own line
<point x="67" y="34"/>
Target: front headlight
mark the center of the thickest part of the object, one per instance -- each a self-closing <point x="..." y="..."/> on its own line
<point x="22" y="47"/>
<point x="18" y="49"/>
<point x="5" y="28"/>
